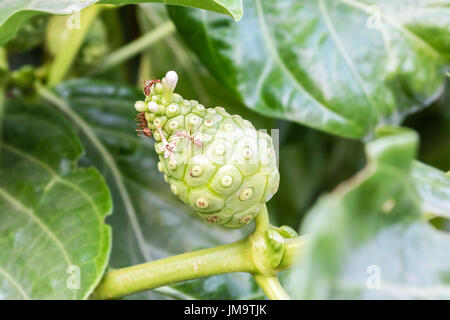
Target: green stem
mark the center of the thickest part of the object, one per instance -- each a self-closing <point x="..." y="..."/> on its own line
<point x="232" y="257"/>
<point x="262" y="223"/>
<point x="266" y="277"/>
<point x="272" y="287"/>
<point x="67" y="54"/>
<point x="135" y="47"/>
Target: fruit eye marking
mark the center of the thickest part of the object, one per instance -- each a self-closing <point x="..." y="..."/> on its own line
<point x="212" y="219"/>
<point x="219" y="150"/>
<point x="208" y="123"/>
<point x="228" y="127"/>
<point x="172" y="165"/>
<point x="200" y="107"/>
<point x="226" y="181"/>
<point x="172" y="108"/>
<point x="247" y="152"/>
<point x="196" y="171"/>
<point x="202" y="203"/>
<point x="173" y="125"/>
<point x="193" y="121"/>
<point x="246" y="194"/>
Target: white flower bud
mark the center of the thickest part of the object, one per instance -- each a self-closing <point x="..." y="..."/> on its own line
<point x="170" y="81"/>
<point x="140" y="106"/>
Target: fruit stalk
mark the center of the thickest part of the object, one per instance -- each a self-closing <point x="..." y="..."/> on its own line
<point x="233" y="257"/>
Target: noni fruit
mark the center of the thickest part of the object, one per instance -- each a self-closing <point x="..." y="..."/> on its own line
<point x="217" y="163"/>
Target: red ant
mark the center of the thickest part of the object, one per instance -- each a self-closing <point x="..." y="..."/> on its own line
<point x="148" y="84"/>
<point x="142" y="125"/>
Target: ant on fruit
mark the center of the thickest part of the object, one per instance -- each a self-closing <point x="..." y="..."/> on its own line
<point x="148" y="84"/>
<point x="142" y="129"/>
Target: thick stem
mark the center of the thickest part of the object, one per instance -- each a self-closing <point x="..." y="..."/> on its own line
<point x="228" y="258"/>
<point x="262" y="223"/>
<point x="272" y="287"/>
<point x="261" y="253"/>
<point x="135" y="47"/>
<point x="235" y="257"/>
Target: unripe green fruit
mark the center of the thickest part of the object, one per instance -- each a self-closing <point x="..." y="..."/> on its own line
<point x="218" y="164"/>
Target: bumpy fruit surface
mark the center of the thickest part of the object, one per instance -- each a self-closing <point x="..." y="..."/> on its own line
<point x="217" y="163"/>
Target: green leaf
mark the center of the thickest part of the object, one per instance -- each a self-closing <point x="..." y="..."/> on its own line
<point x="14" y="12"/>
<point x="326" y="64"/>
<point x="434" y="189"/>
<point x="149" y="222"/>
<point x="232" y="8"/>
<point x="52" y="212"/>
<point x="369" y="240"/>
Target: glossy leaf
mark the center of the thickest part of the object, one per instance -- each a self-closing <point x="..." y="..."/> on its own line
<point x="434" y="189"/>
<point x="342" y="66"/>
<point x="54" y="243"/>
<point x="368" y="239"/>
<point x="148" y="221"/>
<point x="14" y="12"/>
<point x="232" y="8"/>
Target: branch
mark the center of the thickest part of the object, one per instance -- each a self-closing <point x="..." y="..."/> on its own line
<point x="234" y="257"/>
<point x="272" y="287"/>
<point x="228" y="258"/>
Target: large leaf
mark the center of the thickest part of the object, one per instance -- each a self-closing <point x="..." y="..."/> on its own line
<point x="342" y="66"/>
<point x="434" y="189"/>
<point x="232" y="8"/>
<point x="368" y="239"/>
<point x="14" y="12"/>
<point x="148" y="221"/>
<point x="52" y="213"/>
